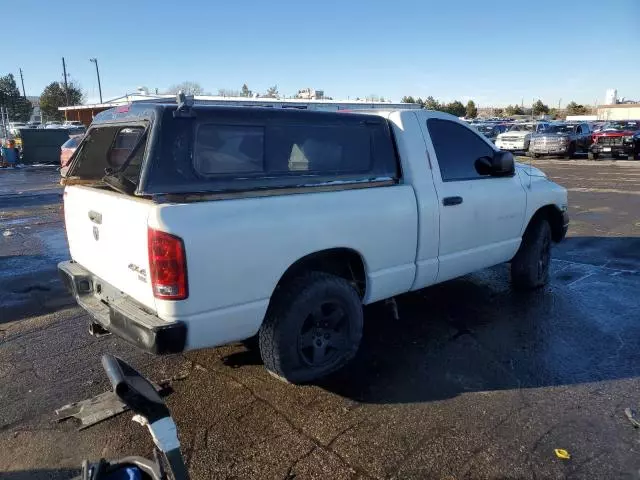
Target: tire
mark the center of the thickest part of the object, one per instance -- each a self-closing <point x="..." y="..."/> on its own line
<point x="312" y="328"/>
<point x="593" y="156"/>
<point x="530" y="266"/>
<point x="571" y="152"/>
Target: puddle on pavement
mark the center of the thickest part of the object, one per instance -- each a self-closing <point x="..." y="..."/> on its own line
<point x="55" y="243"/>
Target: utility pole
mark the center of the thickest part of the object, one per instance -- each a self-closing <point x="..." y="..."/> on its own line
<point x="95" y="60"/>
<point x="22" y="80"/>
<point x="66" y="86"/>
<point x="559" y="103"/>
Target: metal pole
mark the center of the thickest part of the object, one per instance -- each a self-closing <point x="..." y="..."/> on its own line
<point x="95" y="60"/>
<point x="66" y="87"/>
<point x="22" y="80"/>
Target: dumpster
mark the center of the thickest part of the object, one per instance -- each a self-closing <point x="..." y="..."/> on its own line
<point x="42" y="145"/>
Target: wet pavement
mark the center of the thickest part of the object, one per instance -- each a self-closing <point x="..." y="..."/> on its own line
<point x="473" y="381"/>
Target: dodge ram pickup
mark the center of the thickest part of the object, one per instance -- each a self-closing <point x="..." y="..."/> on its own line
<point x="196" y="226"/>
<point x="617" y="139"/>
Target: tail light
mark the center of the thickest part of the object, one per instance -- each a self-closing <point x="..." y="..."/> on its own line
<point x="167" y="266"/>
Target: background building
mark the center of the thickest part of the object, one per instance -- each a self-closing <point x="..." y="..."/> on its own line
<point x="620" y="111"/>
<point x="310" y="94"/>
<point x="36" y="114"/>
<point x="611" y="97"/>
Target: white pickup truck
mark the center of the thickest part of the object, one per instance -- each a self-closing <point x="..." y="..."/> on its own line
<point x="518" y="137"/>
<point x="192" y="227"/>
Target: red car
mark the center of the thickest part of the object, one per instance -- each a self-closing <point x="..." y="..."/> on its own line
<point x="67" y="149"/>
<point x="615" y="139"/>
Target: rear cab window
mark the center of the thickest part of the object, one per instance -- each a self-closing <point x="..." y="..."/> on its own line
<point x="226" y="149"/>
<point x="110" y="150"/>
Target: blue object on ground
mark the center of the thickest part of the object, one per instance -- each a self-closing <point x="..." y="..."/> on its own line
<point x="127" y="473"/>
<point x="9" y="155"/>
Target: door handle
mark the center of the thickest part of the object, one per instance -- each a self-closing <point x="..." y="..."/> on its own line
<point x="95" y="217"/>
<point x="448" y="201"/>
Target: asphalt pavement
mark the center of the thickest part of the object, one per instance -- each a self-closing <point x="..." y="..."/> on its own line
<point x="473" y="380"/>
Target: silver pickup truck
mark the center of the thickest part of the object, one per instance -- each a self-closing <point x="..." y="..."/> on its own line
<point x="563" y="139"/>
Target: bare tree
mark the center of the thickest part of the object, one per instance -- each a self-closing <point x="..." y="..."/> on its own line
<point x="227" y="92"/>
<point x="188" y="87"/>
<point x="272" y="92"/>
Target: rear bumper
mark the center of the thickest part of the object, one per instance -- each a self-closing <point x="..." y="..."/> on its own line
<point x="121" y="315"/>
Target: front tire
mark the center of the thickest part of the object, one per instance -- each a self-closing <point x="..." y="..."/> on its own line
<point x="571" y="152"/>
<point x="313" y="328"/>
<point x="530" y="266"/>
<point x="593" y="156"/>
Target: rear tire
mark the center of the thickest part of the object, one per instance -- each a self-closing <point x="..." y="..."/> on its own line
<point x="313" y="328"/>
<point x="530" y="266"/>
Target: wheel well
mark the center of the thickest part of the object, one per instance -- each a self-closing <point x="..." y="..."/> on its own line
<point x="553" y="215"/>
<point x="342" y="262"/>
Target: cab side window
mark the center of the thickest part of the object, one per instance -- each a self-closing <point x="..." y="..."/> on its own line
<point x="457" y="149"/>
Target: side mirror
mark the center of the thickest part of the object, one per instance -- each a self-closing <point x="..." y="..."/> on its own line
<point x="501" y="164"/>
<point x="134" y="390"/>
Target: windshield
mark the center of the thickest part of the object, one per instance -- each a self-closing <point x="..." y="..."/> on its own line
<point x="522" y="127"/>
<point x="485" y="128"/>
<point x="620" y="126"/>
<point x="560" y="129"/>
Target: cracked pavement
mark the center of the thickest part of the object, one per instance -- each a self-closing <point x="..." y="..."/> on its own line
<point x="473" y="381"/>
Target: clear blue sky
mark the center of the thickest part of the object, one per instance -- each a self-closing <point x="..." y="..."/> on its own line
<point x="495" y="52"/>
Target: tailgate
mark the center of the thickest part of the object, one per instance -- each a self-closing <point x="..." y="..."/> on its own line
<point x="107" y="234"/>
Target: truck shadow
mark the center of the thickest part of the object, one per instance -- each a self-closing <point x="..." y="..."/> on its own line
<point x="476" y="334"/>
<point x="41" y="474"/>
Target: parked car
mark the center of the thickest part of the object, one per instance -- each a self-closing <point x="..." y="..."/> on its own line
<point x="491" y="130"/>
<point x="14" y="128"/>
<point x="564" y="139"/>
<point x="518" y="137"/>
<point x="216" y="223"/>
<point x="68" y="148"/>
<point x="616" y="139"/>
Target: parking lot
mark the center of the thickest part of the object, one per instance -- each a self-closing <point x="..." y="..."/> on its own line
<point x="472" y="381"/>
